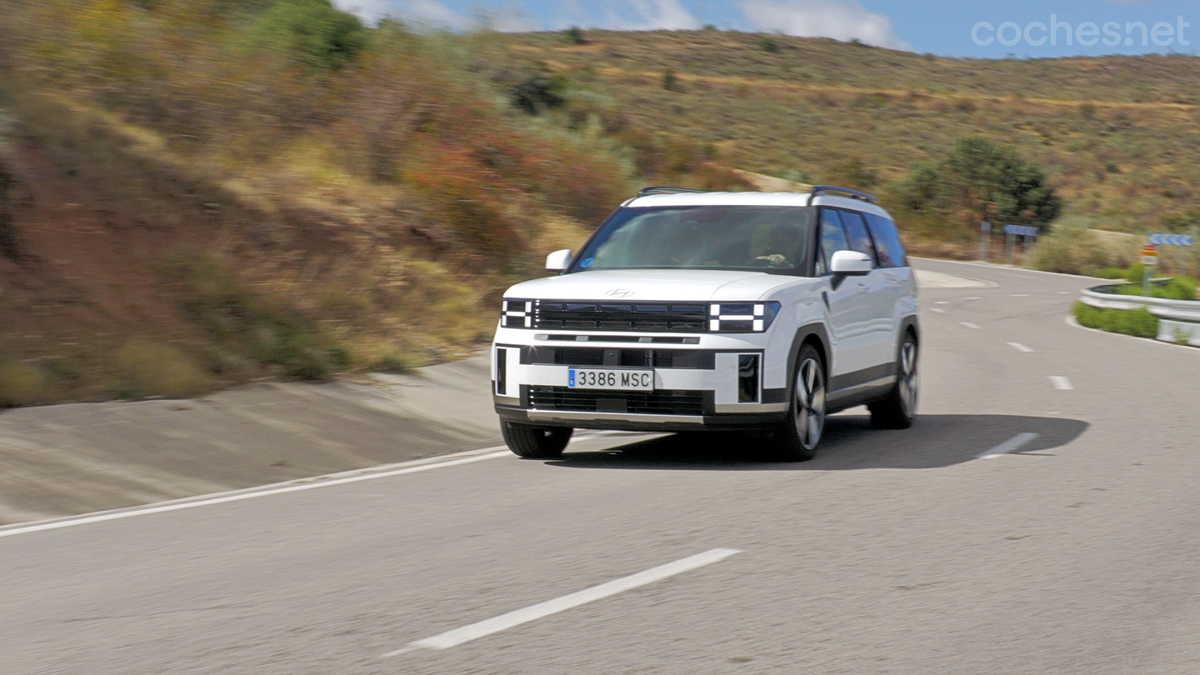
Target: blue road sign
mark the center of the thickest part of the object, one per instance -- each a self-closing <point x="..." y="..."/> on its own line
<point x="1170" y="240"/>
<point x="1021" y="230"/>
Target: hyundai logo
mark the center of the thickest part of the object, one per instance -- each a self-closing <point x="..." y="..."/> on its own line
<point x="619" y="293"/>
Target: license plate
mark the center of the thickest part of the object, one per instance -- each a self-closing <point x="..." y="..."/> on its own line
<point x="629" y="380"/>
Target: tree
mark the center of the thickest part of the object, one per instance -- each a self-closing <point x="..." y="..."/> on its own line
<point x="980" y="180"/>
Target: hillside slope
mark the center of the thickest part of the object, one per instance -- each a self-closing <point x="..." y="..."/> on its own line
<point x="206" y="193"/>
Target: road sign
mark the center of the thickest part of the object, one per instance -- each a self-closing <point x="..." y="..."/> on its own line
<point x="1021" y="230"/>
<point x="1149" y="255"/>
<point x="1170" y="240"/>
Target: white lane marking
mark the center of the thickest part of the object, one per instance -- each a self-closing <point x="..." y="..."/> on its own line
<point x="939" y="310"/>
<point x="1020" y="347"/>
<point x="458" y="636"/>
<point x="294" y="486"/>
<point x="942" y="302"/>
<point x="1020" y="295"/>
<point x="968" y="324"/>
<point x="973" y="297"/>
<point x="1011" y="445"/>
<point x="1063" y="293"/>
<point x="1061" y="382"/>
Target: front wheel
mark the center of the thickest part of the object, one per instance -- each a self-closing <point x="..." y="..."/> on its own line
<point x="797" y="438"/>
<point x="899" y="409"/>
<point x="530" y="442"/>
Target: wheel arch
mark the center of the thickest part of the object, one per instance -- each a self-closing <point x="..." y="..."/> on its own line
<point x="909" y="324"/>
<point x="816" y="335"/>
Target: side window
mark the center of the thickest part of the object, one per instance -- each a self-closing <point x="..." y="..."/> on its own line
<point x="833" y="239"/>
<point x="887" y="242"/>
<point x="856" y="232"/>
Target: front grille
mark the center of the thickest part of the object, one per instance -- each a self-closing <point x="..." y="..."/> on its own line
<point x="665" y="318"/>
<point x="694" y="359"/>
<point x="638" y="402"/>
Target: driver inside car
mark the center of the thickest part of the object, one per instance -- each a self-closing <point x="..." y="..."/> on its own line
<point x="777" y="245"/>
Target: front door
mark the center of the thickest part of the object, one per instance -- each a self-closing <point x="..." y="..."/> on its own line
<point x="846" y="306"/>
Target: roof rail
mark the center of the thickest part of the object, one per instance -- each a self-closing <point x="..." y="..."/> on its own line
<point x="853" y="194"/>
<point x="664" y="190"/>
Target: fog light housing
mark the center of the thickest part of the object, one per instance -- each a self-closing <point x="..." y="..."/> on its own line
<point x="748" y="378"/>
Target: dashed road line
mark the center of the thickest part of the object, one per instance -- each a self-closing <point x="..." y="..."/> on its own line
<point x="1020" y="347"/>
<point x="1011" y="445"/>
<point x="968" y="324"/>
<point x="512" y="619"/>
<point x="1019" y="295"/>
<point x="942" y="302"/>
<point x="938" y="310"/>
<point x="1061" y="382"/>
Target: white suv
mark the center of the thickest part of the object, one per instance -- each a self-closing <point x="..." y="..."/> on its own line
<point x="691" y="310"/>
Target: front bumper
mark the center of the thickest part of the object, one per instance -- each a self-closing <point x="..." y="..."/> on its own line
<point x="699" y="385"/>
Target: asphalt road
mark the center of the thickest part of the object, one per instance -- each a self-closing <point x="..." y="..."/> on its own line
<point x="892" y="552"/>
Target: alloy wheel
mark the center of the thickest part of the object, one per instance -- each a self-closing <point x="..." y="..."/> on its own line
<point x="908" y="377"/>
<point x="809" y="406"/>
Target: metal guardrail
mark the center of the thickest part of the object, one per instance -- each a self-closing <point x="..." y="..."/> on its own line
<point x="1175" y="310"/>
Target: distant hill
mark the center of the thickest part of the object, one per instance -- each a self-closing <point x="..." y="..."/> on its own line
<point x="1119" y="136"/>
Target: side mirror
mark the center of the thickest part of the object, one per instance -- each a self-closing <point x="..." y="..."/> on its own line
<point x="850" y="264"/>
<point x="559" y="260"/>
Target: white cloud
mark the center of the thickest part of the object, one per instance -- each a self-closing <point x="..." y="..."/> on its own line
<point x="632" y="15"/>
<point x="426" y="13"/>
<point x="838" y="19"/>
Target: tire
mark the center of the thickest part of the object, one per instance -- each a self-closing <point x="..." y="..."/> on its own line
<point x="796" y="439"/>
<point x="899" y="409"/>
<point x="530" y="442"/>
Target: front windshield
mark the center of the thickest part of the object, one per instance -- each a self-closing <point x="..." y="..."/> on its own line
<point x="761" y="238"/>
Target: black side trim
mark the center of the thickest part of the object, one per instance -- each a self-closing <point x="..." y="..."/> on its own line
<point x="775" y="395"/>
<point x="858" y="377"/>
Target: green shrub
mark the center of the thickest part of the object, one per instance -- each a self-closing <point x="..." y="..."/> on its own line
<point x="768" y="44"/>
<point x="314" y="31"/>
<point x="1179" y="288"/>
<point x="23" y="384"/>
<point x="10" y="245"/>
<point x="157" y="369"/>
<point x="574" y="35"/>
<point x="540" y="91"/>
<point x="1137" y="322"/>
<point x="1071" y="250"/>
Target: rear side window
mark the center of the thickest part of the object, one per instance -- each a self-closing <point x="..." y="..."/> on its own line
<point x="856" y="232"/>
<point x="887" y="242"/>
<point x="833" y="239"/>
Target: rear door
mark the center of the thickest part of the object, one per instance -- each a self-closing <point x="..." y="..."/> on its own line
<point x="893" y="264"/>
<point x="879" y="298"/>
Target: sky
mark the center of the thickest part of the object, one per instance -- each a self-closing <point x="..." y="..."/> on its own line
<point x="967" y="28"/>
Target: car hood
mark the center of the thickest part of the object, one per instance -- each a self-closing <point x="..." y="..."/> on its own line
<point x="653" y="286"/>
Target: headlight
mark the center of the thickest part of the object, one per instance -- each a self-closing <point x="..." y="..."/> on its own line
<point x="517" y="314"/>
<point x="741" y="317"/>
